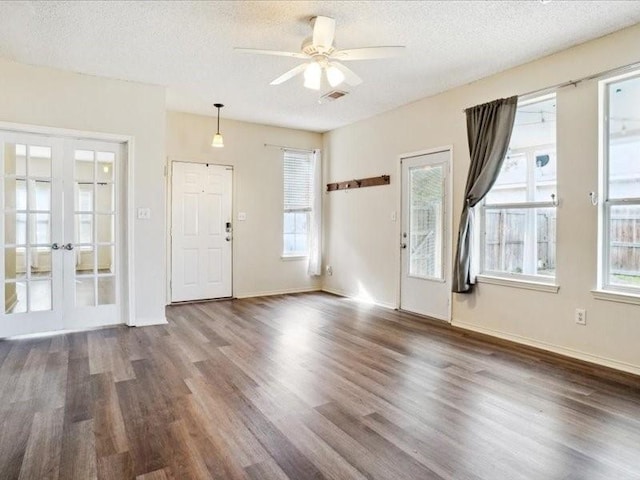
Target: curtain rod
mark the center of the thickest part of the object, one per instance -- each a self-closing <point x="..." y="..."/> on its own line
<point x="282" y="147"/>
<point x="557" y="86"/>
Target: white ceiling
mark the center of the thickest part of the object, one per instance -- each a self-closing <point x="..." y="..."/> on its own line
<point x="188" y="47"/>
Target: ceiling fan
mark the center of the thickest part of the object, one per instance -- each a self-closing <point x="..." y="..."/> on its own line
<point x="323" y="57"/>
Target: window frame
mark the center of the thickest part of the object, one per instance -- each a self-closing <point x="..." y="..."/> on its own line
<point x="289" y="255"/>
<point x="517" y="279"/>
<point x="606" y="204"/>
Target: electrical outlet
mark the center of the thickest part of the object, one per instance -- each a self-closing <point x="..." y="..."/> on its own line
<point x="329" y="270"/>
<point x="581" y="316"/>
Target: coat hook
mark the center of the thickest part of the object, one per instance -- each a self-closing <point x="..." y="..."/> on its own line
<point x="554" y="200"/>
<point x="594" y="198"/>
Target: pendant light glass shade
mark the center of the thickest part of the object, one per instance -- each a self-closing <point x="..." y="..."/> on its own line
<point x="217" y="141"/>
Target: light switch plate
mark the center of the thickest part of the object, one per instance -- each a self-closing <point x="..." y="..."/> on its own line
<point x="242" y="216"/>
<point x="144" y="213"/>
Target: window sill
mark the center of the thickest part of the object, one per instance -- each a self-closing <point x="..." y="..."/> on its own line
<point x="620" y="297"/>
<point x="287" y="258"/>
<point x="525" y="284"/>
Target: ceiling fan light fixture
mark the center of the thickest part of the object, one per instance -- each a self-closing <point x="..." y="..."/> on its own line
<point x="218" y="141"/>
<point x="313" y="76"/>
<point x="334" y="76"/>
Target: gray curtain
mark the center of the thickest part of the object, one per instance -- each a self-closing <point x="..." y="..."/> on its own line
<point x="489" y="128"/>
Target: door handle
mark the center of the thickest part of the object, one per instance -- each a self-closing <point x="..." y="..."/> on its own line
<point x="68" y="246"/>
<point x="55" y="246"/>
<point x="403" y="245"/>
<point x="228" y="238"/>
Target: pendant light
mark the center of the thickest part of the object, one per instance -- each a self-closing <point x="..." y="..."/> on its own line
<point x="218" y="142"/>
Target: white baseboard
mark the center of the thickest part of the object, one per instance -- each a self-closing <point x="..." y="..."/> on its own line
<point x="146" y="322"/>
<point x="342" y="293"/>
<point x="278" y="292"/>
<point x="567" y="352"/>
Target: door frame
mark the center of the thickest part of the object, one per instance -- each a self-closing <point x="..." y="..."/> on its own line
<point x="169" y="218"/>
<point x="448" y="221"/>
<point x="127" y="223"/>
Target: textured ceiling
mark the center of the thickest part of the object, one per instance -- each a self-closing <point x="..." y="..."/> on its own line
<point x="188" y="47"/>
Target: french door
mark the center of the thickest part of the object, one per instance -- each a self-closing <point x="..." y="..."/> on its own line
<point x="425" y="283"/>
<point x="59" y="239"/>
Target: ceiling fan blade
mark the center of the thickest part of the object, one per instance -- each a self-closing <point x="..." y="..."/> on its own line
<point x="349" y="75"/>
<point x="368" y="53"/>
<point x="290" y="74"/>
<point x="271" y="52"/>
<point x="324" y="29"/>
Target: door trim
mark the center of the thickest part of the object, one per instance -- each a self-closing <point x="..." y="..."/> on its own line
<point x="128" y="304"/>
<point x="169" y="222"/>
<point x="448" y="222"/>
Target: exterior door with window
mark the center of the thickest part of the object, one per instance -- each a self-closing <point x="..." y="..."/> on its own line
<point x="425" y="284"/>
<point x="58" y="234"/>
<point x="201" y="233"/>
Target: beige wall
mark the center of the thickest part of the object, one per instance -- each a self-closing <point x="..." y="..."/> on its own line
<point x="47" y="97"/>
<point x="361" y="242"/>
<point x="257" y="171"/>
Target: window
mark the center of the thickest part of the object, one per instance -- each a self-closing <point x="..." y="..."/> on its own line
<point x="620" y="187"/>
<point x="518" y="216"/>
<point x="297" y="203"/>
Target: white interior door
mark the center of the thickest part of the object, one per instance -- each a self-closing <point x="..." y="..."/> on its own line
<point x="201" y="233"/>
<point x="60" y="211"/>
<point x="425" y="284"/>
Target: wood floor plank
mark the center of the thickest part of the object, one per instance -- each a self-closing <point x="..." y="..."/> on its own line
<point x="42" y="455"/>
<point x="308" y="386"/>
<point x="78" y="459"/>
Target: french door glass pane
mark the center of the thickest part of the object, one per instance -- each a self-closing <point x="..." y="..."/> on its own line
<point x="15" y="193"/>
<point x="84" y="228"/>
<point x="85" y="260"/>
<point x="41" y="194"/>
<point x="40" y="228"/>
<point x="15" y="263"/>
<point x="426" y="221"/>
<point x="106" y="259"/>
<point x="106" y="162"/>
<point x="106" y="290"/>
<point x="39" y="161"/>
<point x="40" y="296"/>
<point x="15" y="159"/>
<point x="104" y="197"/>
<point x="15" y="228"/>
<point x="15" y="297"/>
<point x="85" y="291"/>
<point x="105" y="225"/>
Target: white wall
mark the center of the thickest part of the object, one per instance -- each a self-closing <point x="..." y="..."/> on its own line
<point x="258" y="268"/>
<point x="47" y="97"/>
<point x="361" y="242"/>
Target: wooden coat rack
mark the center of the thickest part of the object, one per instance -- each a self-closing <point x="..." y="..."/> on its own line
<point x="359" y="183"/>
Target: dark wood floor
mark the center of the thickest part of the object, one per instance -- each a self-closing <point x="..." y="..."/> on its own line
<point x="307" y="386"/>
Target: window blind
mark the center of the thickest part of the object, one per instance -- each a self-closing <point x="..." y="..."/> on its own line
<point x="297" y="181"/>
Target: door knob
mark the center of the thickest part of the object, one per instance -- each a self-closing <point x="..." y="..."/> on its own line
<point x="55" y="246"/>
<point x="68" y="246"/>
<point x="403" y="245"/>
<point x="228" y="238"/>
